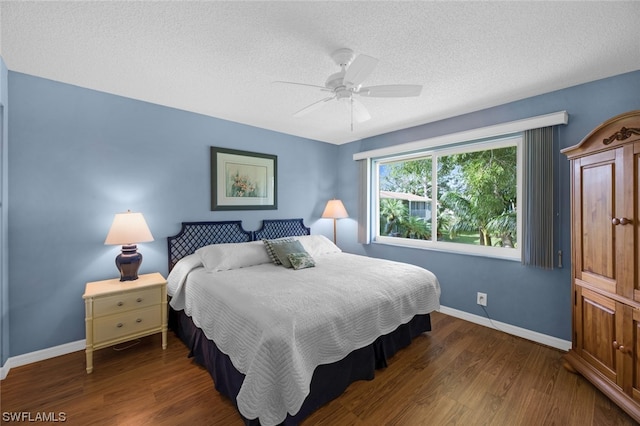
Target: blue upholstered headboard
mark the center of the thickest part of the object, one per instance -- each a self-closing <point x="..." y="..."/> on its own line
<point x="194" y="235"/>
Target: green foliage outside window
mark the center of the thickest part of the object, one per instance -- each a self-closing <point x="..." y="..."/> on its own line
<point x="475" y="203"/>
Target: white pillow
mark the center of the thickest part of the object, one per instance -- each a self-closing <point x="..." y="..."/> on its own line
<point x="222" y="257"/>
<point x="317" y="245"/>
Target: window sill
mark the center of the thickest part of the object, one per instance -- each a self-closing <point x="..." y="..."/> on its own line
<point x="513" y="255"/>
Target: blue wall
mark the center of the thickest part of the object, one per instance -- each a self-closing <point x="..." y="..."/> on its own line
<point x="530" y="298"/>
<point x="79" y="156"/>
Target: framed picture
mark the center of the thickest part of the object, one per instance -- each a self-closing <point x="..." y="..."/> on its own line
<point x="242" y="180"/>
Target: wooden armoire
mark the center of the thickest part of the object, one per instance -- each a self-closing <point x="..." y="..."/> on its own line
<point x="605" y="270"/>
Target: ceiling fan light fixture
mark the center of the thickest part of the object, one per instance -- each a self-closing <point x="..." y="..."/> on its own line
<point x="344" y="94"/>
<point x="335" y="80"/>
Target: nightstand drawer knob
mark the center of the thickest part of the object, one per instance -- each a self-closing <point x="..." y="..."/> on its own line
<point x="139" y="299"/>
<point x="119" y="325"/>
<point x="120" y="303"/>
<point x="139" y="320"/>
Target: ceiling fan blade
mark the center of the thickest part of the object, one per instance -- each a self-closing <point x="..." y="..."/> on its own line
<point x="313" y="107"/>
<point x="359" y="69"/>
<point x="356" y="109"/>
<point x="391" y="91"/>
<point x="302" y="84"/>
<point x="360" y="113"/>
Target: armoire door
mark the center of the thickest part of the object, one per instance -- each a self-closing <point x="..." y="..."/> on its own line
<point x="598" y="197"/>
<point x="597" y="328"/>
<point x="636" y="221"/>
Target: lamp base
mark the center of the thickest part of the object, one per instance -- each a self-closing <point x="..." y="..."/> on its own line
<point x="128" y="262"/>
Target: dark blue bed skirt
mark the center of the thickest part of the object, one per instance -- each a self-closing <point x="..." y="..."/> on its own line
<point x="329" y="380"/>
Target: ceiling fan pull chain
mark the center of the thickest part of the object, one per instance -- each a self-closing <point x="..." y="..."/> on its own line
<point x="352" y="114"/>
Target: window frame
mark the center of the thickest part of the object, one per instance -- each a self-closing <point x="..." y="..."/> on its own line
<point x="436" y="152"/>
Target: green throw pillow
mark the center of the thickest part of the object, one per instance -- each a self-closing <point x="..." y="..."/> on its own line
<point x="284" y="249"/>
<point x="270" y="244"/>
<point x="301" y="260"/>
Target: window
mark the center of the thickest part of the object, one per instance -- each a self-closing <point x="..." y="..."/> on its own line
<point x="463" y="198"/>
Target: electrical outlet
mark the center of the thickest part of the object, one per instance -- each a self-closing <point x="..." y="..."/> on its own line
<point x="482" y="299"/>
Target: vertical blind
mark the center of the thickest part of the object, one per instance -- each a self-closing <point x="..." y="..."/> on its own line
<point x="538" y="208"/>
<point x="364" y="236"/>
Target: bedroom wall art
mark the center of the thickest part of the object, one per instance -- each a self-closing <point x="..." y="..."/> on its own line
<point x="243" y="180"/>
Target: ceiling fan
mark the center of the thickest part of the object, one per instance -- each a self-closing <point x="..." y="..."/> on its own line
<point x="346" y="85"/>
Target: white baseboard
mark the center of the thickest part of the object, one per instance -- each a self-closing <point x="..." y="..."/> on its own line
<point x="4" y="370"/>
<point x="80" y="345"/>
<point x="41" y="355"/>
<point x="534" y="336"/>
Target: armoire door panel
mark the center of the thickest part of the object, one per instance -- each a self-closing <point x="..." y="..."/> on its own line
<point x="624" y="220"/>
<point x="596" y="205"/>
<point x="598" y="332"/>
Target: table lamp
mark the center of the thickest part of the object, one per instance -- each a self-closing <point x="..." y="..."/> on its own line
<point x="127" y="230"/>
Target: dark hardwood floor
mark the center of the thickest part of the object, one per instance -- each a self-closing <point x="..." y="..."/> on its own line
<point x="458" y="374"/>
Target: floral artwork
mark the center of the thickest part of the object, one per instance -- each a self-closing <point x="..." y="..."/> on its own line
<point x="242" y="180"/>
<point x="246" y="184"/>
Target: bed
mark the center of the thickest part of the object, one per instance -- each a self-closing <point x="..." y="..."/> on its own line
<point x="284" y="320"/>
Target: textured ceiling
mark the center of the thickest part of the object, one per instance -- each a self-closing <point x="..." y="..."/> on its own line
<point x="220" y="58"/>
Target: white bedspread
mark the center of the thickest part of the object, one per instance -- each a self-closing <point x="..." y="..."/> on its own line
<point x="277" y="324"/>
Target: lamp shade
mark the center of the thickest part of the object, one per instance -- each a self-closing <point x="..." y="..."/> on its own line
<point x="335" y="210"/>
<point x="128" y="228"/>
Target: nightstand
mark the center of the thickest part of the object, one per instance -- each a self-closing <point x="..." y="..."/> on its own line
<point x="118" y="311"/>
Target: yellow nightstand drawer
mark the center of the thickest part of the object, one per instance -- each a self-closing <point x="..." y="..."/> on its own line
<point x="126" y="301"/>
<point x="113" y="327"/>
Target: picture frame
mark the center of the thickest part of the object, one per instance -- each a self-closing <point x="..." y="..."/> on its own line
<point x="243" y="180"/>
